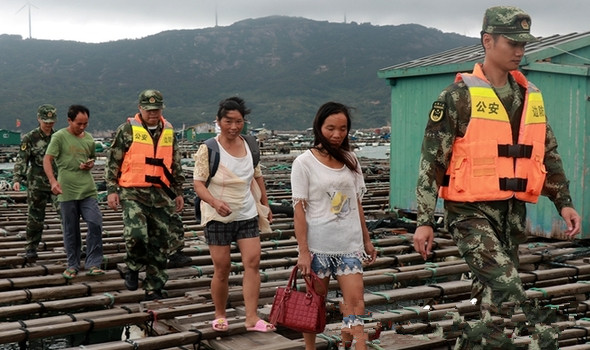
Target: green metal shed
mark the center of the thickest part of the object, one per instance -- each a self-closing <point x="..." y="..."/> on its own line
<point x="9" y="138"/>
<point x="559" y="65"/>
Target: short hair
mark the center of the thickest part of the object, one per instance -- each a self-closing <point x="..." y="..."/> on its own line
<point x="232" y="104"/>
<point x="494" y="36"/>
<point x="73" y="111"/>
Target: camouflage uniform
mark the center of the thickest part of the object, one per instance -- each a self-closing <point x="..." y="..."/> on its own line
<point x="28" y="169"/>
<point x="176" y="236"/>
<point x="488" y="233"/>
<point x="148" y="212"/>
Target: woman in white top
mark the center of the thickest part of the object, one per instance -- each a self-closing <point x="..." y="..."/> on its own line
<point x="327" y="188"/>
<point x="228" y="212"/>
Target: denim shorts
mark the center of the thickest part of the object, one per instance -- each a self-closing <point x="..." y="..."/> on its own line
<point x="333" y="266"/>
<point x="219" y="233"/>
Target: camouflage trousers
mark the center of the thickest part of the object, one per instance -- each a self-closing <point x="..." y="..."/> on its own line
<point x="176" y="236"/>
<point x="146" y="234"/>
<point x="487" y="238"/>
<point x="37" y="203"/>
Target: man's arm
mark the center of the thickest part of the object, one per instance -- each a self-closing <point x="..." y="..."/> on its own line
<point x="48" y="168"/>
<point x="176" y="170"/>
<point x="20" y="166"/>
<point x="437" y="144"/>
<point x="115" y="156"/>
<point x="556" y="186"/>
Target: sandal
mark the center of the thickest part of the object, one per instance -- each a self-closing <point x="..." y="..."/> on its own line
<point x="262" y="326"/>
<point x="95" y="271"/>
<point x="220" y="324"/>
<point x="70" y="273"/>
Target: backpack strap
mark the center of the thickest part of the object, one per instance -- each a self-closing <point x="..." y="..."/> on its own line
<point x="213" y="154"/>
<point x="254" y="149"/>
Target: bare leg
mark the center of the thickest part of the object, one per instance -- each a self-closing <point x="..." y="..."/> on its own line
<point x="345" y="333"/>
<point x="219" y="283"/>
<point x="250" y="250"/>
<point x="309" y="338"/>
<point x="352" y="294"/>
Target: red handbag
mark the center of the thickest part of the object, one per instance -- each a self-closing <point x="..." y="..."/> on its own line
<point x="300" y="311"/>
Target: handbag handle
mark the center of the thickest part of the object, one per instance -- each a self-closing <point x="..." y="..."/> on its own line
<point x="309" y="282"/>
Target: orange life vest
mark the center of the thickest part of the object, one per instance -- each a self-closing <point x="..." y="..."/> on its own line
<point x="485" y="164"/>
<point x="145" y="165"/>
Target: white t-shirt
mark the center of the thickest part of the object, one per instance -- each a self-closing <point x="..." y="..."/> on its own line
<point x="331" y="212"/>
<point x="231" y="183"/>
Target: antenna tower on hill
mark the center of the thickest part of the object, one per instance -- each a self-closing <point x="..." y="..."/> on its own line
<point x="216" y="15"/>
<point x="28" y="4"/>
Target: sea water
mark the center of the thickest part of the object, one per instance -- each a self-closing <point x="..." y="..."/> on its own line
<point x="373" y="152"/>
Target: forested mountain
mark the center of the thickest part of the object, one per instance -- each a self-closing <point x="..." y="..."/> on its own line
<point x="284" y="67"/>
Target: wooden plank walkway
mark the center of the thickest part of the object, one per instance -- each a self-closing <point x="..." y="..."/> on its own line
<point x="415" y="305"/>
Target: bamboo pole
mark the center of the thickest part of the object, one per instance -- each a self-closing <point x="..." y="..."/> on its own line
<point x="109" y="321"/>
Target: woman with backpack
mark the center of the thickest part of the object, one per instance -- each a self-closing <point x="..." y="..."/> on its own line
<point x="229" y="213"/>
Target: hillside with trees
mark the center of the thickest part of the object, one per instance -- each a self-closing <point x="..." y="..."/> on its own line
<point x="284" y="67"/>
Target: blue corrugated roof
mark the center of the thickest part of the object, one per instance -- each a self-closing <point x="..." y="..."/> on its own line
<point x="474" y="53"/>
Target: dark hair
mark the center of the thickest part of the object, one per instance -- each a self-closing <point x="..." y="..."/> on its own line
<point x="232" y="104"/>
<point x="342" y="153"/>
<point x="494" y="36"/>
<point x="75" y="109"/>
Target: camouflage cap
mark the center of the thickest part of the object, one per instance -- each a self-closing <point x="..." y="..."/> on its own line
<point x="511" y="22"/>
<point x="151" y="99"/>
<point x="47" y="113"/>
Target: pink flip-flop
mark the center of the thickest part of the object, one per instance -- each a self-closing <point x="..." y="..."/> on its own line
<point x="262" y="326"/>
<point x="220" y="324"/>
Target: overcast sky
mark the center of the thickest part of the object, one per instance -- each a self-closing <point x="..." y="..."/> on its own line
<point x="107" y="20"/>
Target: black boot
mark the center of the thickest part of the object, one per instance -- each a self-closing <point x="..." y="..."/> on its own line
<point x="178" y="259"/>
<point x="132" y="280"/>
<point x="31" y="255"/>
<point x="154" y="295"/>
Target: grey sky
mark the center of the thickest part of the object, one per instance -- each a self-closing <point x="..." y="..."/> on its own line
<point x="108" y="20"/>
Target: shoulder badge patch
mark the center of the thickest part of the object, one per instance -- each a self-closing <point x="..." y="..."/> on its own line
<point x="23" y="146"/>
<point x="438" y="111"/>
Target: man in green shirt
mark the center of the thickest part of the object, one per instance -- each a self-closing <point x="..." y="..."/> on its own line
<point x="73" y="151"/>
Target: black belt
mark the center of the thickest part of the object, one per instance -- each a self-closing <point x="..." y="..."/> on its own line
<point x="160" y="162"/>
<point x="158" y="180"/>
<point x="515" y="184"/>
<point x="515" y="151"/>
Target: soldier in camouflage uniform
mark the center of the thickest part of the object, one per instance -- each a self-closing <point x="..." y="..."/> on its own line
<point x="488" y="231"/>
<point x="29" y="169"/>
<point x="149" y="191"/>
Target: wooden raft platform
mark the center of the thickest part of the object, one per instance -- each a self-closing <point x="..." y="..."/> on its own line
<point x="414" y="304"/>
